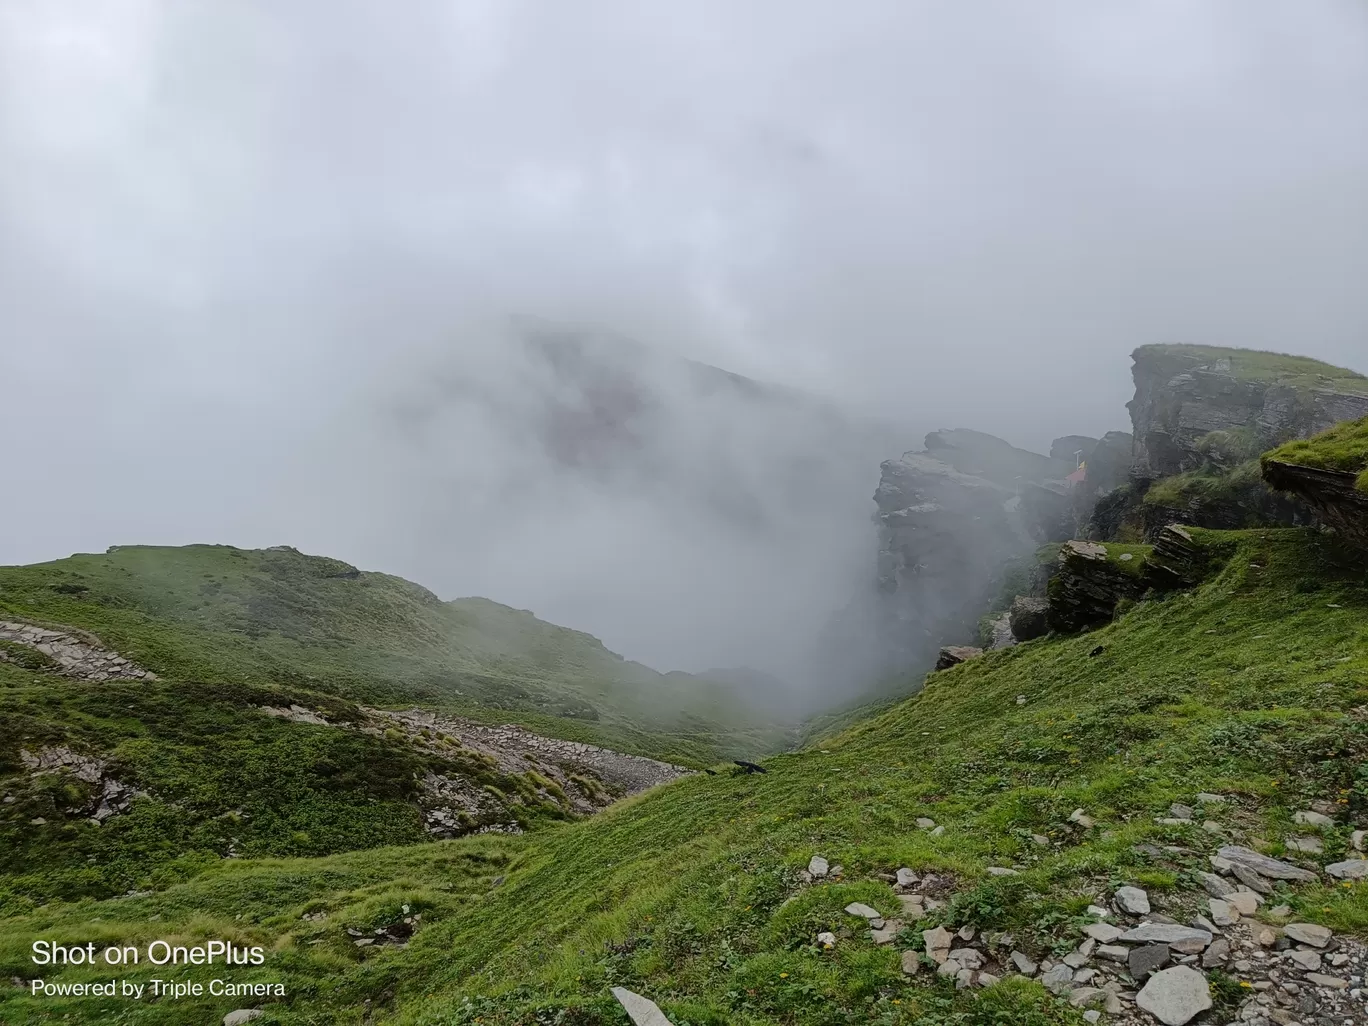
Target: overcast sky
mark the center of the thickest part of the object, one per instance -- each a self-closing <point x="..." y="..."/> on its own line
<point x="236" y="235"/>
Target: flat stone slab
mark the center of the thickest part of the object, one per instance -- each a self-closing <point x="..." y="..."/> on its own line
<point x="858" y="908"/>
<point x="1175" y="996"/>
<point x="642" y="1011"/>
<point x="1353" y="869"/>
<point x="1181" y="938"/>
<point x="1308" y="933"/>
<point x="1263" y="865"/>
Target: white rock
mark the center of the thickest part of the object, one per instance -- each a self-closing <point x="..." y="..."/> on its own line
<point x="1175" y="996"/>
<point x="1132" y="900"/>
<point x="818" y="866"/>
<point x="911" y="963"/>
<point x="906" y="877"/>
<point x="642" y="1011"/>
<point x="1001" y="871"/>
<point x="858" y="908"/>
<point x="241" y="1016"/>
<point x="1025" y="965"/>
<point x="925" y="823"/>
<point x="1244" y="902"/>
<point x="826" y="939"/>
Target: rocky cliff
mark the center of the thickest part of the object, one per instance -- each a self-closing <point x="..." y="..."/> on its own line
<point x="1330" y="473"/>
<point x="950" y="518"/>
<point x="1197" y="404"/>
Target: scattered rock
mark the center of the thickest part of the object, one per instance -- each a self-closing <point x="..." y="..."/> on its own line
<point x="1312" y="845"/>
<point x="925" y="823"/>
<point x="1003" y="871"/>
<point x="1215" y="885"/>
<point x="1180" y="938"/>
<point x="1083" y="820"/>
<point x="857" y="908"/>
<point x="1332" y="982"/>
<point x="826" y="939"/>
<point x="938" y="943"/>
<point x="1216" y="954"/>
<point x="1025" y="965"/>
<point x="1304" y="958"/>
<point x="1222" y="914"/>
<point x="1103" y="933"/>
<point x="818" y="867"/>
<point x="1114" y="952"/>
<point x="1175" y="996"/>
<point x="1315" y="819"/>
<point x="911" y="963"/>
<point x="1244" y="902"/>
<point x="907" y="878"/>
<point x="1180" y="811"/>
<point x="1308" y="933"/>
<point x="1057" y="980"/>
<point x="953" y="655"/>
<point x="1353" y="869"/>
<point x="1263" y="865"/>
<point x="242" y="1016"/>
<point x="642" y="1011"/>
<point x="1132" y="900"/>
<point x="1252" y="880"/>
<point x="1148" y="959"/>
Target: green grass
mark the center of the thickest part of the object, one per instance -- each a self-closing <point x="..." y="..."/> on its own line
<point x="218" y="614"/>
<point x="1344" y="448"/>
<point x="1251" y="685"/>
<point x="1260" y="365"/>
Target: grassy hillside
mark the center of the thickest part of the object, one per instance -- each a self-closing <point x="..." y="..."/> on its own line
<point x="1344" y="447"/>
<point x="1253" y="686"/>
<point x="1260" y="365"/>
<point x="218" y="614"/>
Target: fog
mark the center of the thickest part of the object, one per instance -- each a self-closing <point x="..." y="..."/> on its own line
<point x="268" y="272"/>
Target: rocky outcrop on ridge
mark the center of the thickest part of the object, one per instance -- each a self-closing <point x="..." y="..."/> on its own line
<point x="579" y="778"/>
<point x="1332" y="493"/>
<point x="949" y="518"/>
<point x="1188" y="399"/>
<point x="75" y="654"/>
<point x="1088" y="584"/>
<point x="108" y="797"/>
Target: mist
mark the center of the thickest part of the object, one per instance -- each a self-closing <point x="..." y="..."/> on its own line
<point x="275" y="273"/>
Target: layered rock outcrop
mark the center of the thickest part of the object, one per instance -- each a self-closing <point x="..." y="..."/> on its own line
<point x="1191" y="400"/>
<point x="1334" y="495"/>
<point x="950" y="518"/>
<point x="75" y="654"/>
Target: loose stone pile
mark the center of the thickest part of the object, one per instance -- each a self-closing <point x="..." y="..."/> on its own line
<point x="1138" y="965"/>
<point x="110" y="798"/>
<point x="74" y="656"/>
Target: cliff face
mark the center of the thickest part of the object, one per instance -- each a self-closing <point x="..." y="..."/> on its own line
<point x="1332" y="493"/>
<point x="950" y="517"/>
<point x="1191" y="400"/>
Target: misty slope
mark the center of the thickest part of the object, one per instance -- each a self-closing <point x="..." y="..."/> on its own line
<point x="219" y="614"/>
<point x="1252" y="686"/>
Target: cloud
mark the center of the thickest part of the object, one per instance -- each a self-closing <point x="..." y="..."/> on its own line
<point x="238" y="240"/>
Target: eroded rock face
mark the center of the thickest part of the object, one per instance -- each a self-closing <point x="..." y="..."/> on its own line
<point x="73" y="654"/>
<point x="1181" y="399"/>
<point x="950" y="517"/>
<point x="1087" y="586"/>
<point x="1332" y="493"/>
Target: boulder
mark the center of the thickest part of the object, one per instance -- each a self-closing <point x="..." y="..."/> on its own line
<point x="642" y="1011"/>
<point x="1308" y="933"/>
<point x="1029" y="617"/>
<point x="1145" y="960"/>
<point x="1132" y="900"/>
<point x="953" y="655"/>
<point x="1087" y="586"/>
<point x="1175" y="996"/>
<point x="242" y="1016"/>
<point x="1353" y="869"/>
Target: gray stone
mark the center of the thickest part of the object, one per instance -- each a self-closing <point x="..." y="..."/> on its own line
<point x="1215" y="885"/>
<point x="1150" y="958"/>
<point x="1311" y="845"/>
<point x="1180" y="811"/>
<point x="1216" y="954"/>
<point x="1207" y="796"/>
<point x="642" y="1011"/>
<point x="1092" y="1015"/>
<point x="1001" y="871"/>
<point x="938" y="943"/>
<point x="826" y="939"/>
<point x="1358" y="839"/>
<point x="1331" y="982"/>
<point x="1058" y="980"/>
<point x="965" y="933"/>
<point x="818" y="866"/>
<point x="1308" y="933"/>
<point x="925" y="823"/>
<point x="1103" y="933"/>
<point x="242" y="1016"/>
<point x="1263" y="865"/>
<point x="1082" y="997"/>
<point x="1252" y="880"/>
<point x="857" y="908"/>
<point x="912" y="907"/>
<point x="1175" y="996"/>
<point x="906" y="877"/>
<point x="986" y="979"/>
<point x="1315" y="819"/>
<point x="1132" y="900"/>
<point x="1353" y="869"/>
<point x="1180" y="938"/>
<point x="886" y="934"/>
<point x="1222" y="914"/>
<point x="1244" y="902"/>
<point x="970" y="958"/>
<point x="1305" y="959"/>
<point x="1114" y="952"/>
<point x="911" y="963"/>
<point x="1024" y="964"/>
